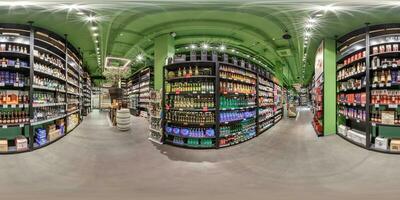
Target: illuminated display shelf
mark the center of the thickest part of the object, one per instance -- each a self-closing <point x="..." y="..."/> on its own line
<point x="369" y="117"/>
<point x="49" y="51"/>
<point x="210" y="88"/>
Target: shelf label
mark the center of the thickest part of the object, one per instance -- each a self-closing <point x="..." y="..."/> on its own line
<point x="5" y="106"/>
<point x="354" y="88"/>
<point x="21" y="125"/>
<point x="177" y="92"/>
<point x="16" y="85"/>
<point x="363" y="105"/>
<point x="354" y="104"/>
<point x="205" y="109"/>
<point x="201" y="124"/>
<point x="16" y="66"/>
<point x="4" y="126"/>
<point x="358" y="121"/>
<point x="373" y="124"/>
<point x="13" y="106"/>
<point x="373" y="85"/>
<point x="381" y="84"/>
<point x="388" y="84"/>
<point x="392" y="105"/>
<point x="384" y="66"/>
<point x="376" y="105"/>
<point x="3" y="64"/>
<point x="394" y="65"/>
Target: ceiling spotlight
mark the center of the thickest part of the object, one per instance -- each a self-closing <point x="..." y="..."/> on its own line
<point x="307" y="34"/>
<point x="328" y="8"/>
<point x="320" y="14"/>
<point x="192" y="46"/>
<point x="80" y="13"/>
<point x="96" y="41"/>
<point x="90" y="18"/>
<point x="94" y="28"/>
<point x="71" y="7"/>
<point x="205" y="46"/>
<point x="97" y="48"/>
<point x="139" y="57"/>
<point x="222" y="48"/>
<point x="309" y="25"/>
<point x="248" y="56"/>
<point x="186" y="47"/>
<point x="233" y="50"/>
<point x="173" y="34"/>
<point x="95" y="34"/>
<point x="17" y="3"/>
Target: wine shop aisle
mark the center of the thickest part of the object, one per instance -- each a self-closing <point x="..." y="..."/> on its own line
<point x="288" y="162"/>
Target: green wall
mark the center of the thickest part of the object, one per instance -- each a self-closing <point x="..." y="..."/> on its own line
<point x="329" y="87"/>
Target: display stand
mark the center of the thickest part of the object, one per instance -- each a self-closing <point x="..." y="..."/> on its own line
<point x="368" y="92"/>
<point x="40" y="86"/>
<point x="211" y="101"/>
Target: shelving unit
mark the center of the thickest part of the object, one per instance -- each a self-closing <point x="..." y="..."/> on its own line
<point x="87" y="94"/>
<point x="155" y="117"/>
<point x="317" y="100"/>
<point x="33" y="87"/>
<point x="137" y="91"/>
<point x="216" y="101"/>
<point x="369" y="95"/>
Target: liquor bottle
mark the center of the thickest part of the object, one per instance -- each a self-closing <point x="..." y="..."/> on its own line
<point x="196" y="71"/>
<point x="382" y="78"/>
<point x="375" y="79"/>
<point x="179" y="72"/>
<point x="190" y="73"/>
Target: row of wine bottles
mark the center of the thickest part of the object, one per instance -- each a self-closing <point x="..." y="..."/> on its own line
<point x="14" y="117"/>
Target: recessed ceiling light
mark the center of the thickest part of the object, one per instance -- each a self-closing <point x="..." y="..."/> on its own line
<point x="96" y="41"/>
<point x="222" y="48"/>
<point x="17" y="3"/>
<point x="192" y="46"/>
<point x="139" y="57"/>
<point x="90" y="18"/>
<point x="94" y="28"/>
<point x="307" y="34"/>
<point x="233" y="50"/>
<point x="205" y="46"/>
<point x="328" y="8"/>
<point x="71" y="7"/>
<point x="186" y="47"/>
<point x="80" y="13"/>
<point x="95" y="34"/>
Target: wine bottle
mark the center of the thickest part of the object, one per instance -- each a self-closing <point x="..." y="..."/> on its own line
<point x="196" y="71"/>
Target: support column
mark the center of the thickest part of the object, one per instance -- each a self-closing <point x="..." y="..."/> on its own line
<point x="163" y="48"/>
<point x="329" y="87"/>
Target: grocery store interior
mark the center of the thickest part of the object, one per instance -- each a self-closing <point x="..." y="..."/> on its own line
<point x="199" y="99"/>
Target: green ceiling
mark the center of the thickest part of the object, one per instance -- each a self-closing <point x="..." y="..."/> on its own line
<point x="128" y="28"/>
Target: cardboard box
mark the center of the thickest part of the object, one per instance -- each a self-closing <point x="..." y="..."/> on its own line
<point x="53" y="135"/>
<point x="50" y="128"/>
<point x="60" y="122"/>
<point x="3" y="145"/>
<point x="358" y="136"/>
<point x="21" y="143"/>
<point x="395" y="145"/>
<point x="343" y="130"/>
<point x="381" y="143"/>
<point x="387" y="117"/>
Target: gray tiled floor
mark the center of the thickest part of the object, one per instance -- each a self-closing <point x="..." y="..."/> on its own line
<point x="287" y="162"/>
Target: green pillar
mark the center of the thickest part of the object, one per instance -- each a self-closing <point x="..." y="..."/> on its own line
<point x="329" y="87"/>
<point x="163" y="48"/>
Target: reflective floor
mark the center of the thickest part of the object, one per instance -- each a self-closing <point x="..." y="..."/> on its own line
<point x="287" y="162"/>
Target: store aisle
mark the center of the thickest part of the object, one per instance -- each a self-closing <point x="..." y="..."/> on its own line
<point x="287" y="162"/>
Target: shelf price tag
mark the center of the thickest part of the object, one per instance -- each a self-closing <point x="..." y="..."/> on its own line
<point x="21" y="125"/>
<point x="392" y="105"/>
<point x="384" y="66"/>
<point x="373" y="85"/>
<point x="358" y="121"/>
<point x="5" y="106"/>
<point x="394" y="65"/>
<point x="3" y="64"/>
<point x="16" y="85"/>
<point x="376" y="105"/>
<point x="4" y="126"/>
<point x="205" y="109"/>
<point x="13" y="106"/>
<point x="363" y="105"/>
<point x="373" y="124"/>
<point x="388" y="84"/>
<point x="16" y="66"/>
<point x="381" y="84"/>
<point x="177" y="92"/>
